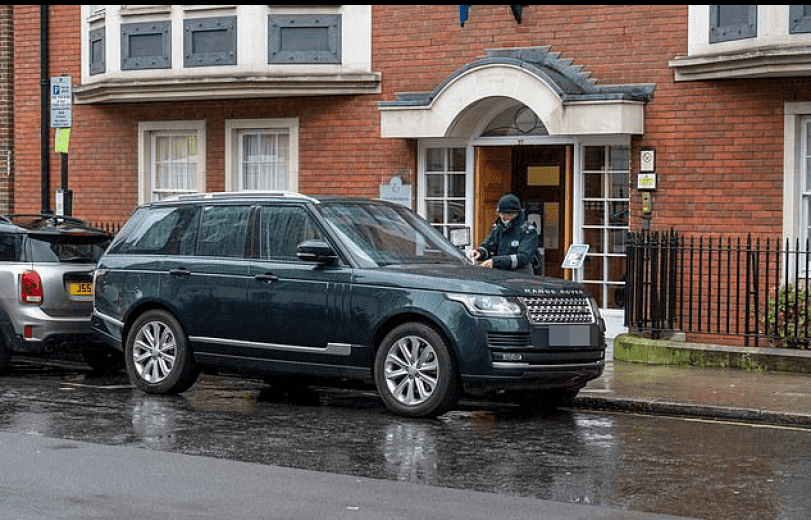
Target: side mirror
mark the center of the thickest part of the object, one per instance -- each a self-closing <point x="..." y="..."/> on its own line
<point x="317" y="251"/>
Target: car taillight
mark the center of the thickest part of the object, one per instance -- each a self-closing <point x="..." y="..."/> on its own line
<point x="30" y="287"/>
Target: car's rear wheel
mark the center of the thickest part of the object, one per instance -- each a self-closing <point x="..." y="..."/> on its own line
<point x="5" y="353"/>
<point x="103" y="359"/>
<point x="415" y="372"/>
<point x="157" y="354"/>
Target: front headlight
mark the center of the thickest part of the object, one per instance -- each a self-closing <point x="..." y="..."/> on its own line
<point x="492" y="306"/>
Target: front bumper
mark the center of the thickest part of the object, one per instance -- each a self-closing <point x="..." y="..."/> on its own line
<point x="514" y="355"/>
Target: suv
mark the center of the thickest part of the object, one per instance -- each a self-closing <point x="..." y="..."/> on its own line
<point x="303" y="289"/>
<point x="46" y="289"/>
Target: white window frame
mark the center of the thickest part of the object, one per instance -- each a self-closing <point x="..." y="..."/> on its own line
<point x="422" y="207"/>
<point x="146" y="131"/>
<point x="233" y="128"/>
<point x="804" y="183"/>
<point x="796" y="217"/>
<point x="605" y="253"/>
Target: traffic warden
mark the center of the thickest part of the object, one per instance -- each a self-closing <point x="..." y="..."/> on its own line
<point x="512" y="242"/>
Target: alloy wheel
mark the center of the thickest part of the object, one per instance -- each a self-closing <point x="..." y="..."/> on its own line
<point x="154" y="352"/>
<point x="411" y="370"/>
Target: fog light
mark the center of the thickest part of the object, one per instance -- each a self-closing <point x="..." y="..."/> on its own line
<point x="28" y="331"/>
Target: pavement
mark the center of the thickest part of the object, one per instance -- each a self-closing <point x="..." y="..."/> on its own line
<point x="711" y="392"/>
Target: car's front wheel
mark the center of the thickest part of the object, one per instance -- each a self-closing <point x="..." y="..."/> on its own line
<point x="158" y="357"/>
<point x="415" y="373"/>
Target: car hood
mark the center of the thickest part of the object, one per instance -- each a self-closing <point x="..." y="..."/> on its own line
<point x="462" y="279"/>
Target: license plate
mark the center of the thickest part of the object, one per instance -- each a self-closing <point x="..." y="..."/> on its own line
<point x="81" y="288"/>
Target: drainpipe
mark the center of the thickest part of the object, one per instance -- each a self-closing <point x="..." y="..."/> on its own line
<point x="44" y="119"/>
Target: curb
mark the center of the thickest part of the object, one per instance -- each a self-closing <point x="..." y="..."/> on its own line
<point x="636" y="349"/>
<point x="585" y="401"/>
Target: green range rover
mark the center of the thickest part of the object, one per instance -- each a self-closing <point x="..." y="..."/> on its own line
<point x="326" y="290"/>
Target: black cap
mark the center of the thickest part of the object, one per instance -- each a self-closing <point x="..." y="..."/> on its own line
<point x="509" y="204"/>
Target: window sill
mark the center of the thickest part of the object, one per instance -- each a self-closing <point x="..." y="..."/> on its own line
<point x="761" y="62"/>
<point x="230" y="87"/>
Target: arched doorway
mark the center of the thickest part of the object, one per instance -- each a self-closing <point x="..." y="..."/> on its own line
<point x="520" y="120"/>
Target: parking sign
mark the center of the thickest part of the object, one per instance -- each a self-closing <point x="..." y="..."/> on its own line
<point x="61" y="102"/>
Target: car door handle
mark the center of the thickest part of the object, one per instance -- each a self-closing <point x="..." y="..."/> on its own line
<point x="180" y="272"/>
<point x="267" y="277"/>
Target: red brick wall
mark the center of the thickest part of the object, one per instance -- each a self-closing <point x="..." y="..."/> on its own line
<point x="340" y="148"/>
<point x="6" y="109"/>
<point x="718" y="143"/>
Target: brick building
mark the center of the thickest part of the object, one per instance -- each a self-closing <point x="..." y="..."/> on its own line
<point x="453" y="107"/>
<point x="6" y="109"/>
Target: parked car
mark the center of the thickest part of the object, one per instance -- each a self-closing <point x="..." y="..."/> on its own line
<point x="46" y="288"/>
<point x="328" y="289"/>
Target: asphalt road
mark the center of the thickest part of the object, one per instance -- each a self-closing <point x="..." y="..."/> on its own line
<point x="74" y="445"/>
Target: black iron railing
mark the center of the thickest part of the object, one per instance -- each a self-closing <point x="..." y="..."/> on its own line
<point x="736" y="286"/>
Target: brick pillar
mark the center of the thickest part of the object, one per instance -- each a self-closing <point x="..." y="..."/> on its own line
<point x="6" y="109"/>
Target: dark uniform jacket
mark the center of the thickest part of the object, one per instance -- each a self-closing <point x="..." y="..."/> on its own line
<point x="512" y="246"/>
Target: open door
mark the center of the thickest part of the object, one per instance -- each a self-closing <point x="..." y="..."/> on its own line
<point x="542" y="178"/>
<point x="493" y="180"/>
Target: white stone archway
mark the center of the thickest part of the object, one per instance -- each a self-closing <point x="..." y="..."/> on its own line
<point x="452" y="109"/>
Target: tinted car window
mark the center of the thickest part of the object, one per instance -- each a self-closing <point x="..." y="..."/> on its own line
<point x="160" y="231"/>
<point x="387" y="235"/>
<point x="223" y="231"/>
<point x="282" y="229"/>
<point x="64" y="248"/>
<point x="10" y="247"/>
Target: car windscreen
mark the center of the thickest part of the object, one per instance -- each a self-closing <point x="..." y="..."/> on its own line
<point x="380" y="234"/>
<point x="73" y="248"/>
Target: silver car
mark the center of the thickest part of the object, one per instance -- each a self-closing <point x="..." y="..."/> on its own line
<point x="46" y="288"/>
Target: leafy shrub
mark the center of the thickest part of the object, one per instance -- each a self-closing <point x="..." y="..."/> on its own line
<point x="786" y="317"/>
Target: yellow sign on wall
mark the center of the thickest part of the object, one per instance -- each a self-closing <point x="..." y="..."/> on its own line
<point x="62" y="139"/>
<point x="543" y="176"/>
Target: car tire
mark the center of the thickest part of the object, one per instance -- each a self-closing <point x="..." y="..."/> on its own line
<point x="5" y="353"/>
<point x="415" y="373"/>
<point x="157" y="354"/>
<point x="548" y="400"/>
<point x="103" y="359"/>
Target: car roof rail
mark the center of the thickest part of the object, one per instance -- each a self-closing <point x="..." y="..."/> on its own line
<point x="39" y="220"/>
<point x="247" y="194"/>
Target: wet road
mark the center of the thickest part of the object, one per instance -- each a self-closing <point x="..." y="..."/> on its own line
<point x="653" y="464"/>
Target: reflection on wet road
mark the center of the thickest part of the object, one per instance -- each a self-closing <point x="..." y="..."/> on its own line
<point x="672" y="466"/>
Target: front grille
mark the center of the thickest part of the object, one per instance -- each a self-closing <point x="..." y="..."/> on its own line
<point x="509" y="339"/>
<point x="558" y="306"/>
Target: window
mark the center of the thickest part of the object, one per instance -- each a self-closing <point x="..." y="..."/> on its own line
<point x="10" y="247"/>
<point x="223" y="231"/>
<point x="799" y="19"/>
<point x="304" y="39"/>
<point x="445" y="188"/>
<point x="210" y="41"/>
<point x="161" y="231"/>
<point x="606" y="205"/>
<point x="171" y="159"/>
<point x="98" y="63"/>
<point x="805" y="182"/>
<point x="282" y="229"/>
<point x="146" y="45"/>
<point x="261" y="154"/>
<point x="732" y="22"/>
